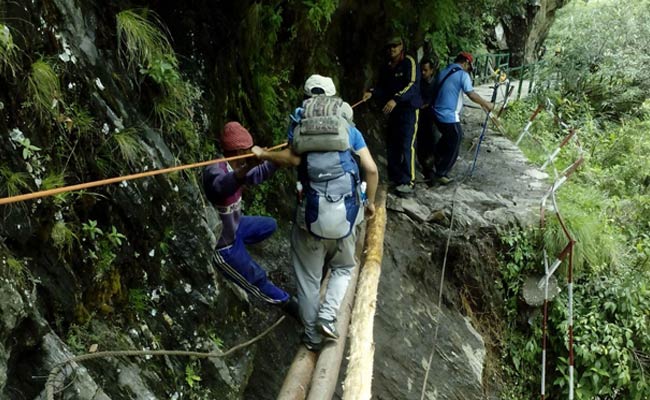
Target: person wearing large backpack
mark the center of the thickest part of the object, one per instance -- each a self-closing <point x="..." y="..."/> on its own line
<point x="223" y="183"/>
<point x="451" y="82"/>
<point x="323" y="145"/>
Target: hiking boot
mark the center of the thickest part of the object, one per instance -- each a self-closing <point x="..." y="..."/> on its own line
<point x="291" y="308"/>
<point x="404" y="189"/>
<point x="311" y="346"/>
<point x="443" y="180"/>
<point x="327" y="328"/>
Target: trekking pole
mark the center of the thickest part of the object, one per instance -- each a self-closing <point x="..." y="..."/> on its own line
<point x="485" y="123"/>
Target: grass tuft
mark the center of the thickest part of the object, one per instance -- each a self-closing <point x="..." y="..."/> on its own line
<point x="143" y="42"/>
<point x="129" y="145"/>
<point x="44" y="89"/>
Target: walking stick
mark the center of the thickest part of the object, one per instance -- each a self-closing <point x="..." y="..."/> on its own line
<point x="485" y="123"/>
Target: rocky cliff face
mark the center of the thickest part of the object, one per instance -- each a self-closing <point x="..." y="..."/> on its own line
<point x="127" y="266"/>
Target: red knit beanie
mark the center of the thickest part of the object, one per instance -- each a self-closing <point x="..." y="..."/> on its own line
<point x="235" y="137"/>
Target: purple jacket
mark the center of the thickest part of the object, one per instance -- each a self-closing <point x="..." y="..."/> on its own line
<point x="224" y="192"/>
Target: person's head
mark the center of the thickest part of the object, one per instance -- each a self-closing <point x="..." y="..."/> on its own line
<point x="318" y="85"/>
<point x="465" y="60"/>
<point x="235" y="139"/>
<point x="426" y="66"/>
<point x="395" y="47"/>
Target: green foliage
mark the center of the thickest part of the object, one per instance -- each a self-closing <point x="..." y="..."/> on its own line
<point x="12" y="268"/>
<point x="521" y="256"/>
<point x="44" y="89"/>
<point x="129" y="145"/>
<point x="138" y="300"/>
<point x="80" y="337"/>
<point x="81" y="121"/>
<point x="218" y="342"/>
<point x="163" y="70"/>
<point x="142" y="41"/>
<point x="192" y="377"/>
<point x="62" y="236"/>
<point x="9" y="62"/>
<point x="586" y="212"/>
<point x="612" y="336"/>
<point x="320" y="12"/>
<point x="13" y="183"/>
<point x="102" y="248"/>
<point x="602" y="49"/>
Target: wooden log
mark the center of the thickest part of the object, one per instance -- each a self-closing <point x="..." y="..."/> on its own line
<point x="358" y="381"/>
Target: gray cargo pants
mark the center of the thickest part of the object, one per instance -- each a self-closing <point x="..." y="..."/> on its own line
<point x="309" y="255"/>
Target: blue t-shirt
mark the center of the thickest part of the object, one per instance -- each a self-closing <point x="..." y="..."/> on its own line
<point x="356" y="138"/>
<point x="450" y="100"/>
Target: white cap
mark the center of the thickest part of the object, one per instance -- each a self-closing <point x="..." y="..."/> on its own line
<point x="318" y="81"/>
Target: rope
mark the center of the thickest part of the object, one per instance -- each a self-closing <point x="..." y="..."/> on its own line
<point x="81" y="186"/>
<point x="442" y="281"/>
<point x="49" y="385"/>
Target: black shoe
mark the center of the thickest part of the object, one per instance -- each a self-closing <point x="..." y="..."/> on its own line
<point x="327" y="328"/>
<point x="291" y="308"/>
<point x="311" y="346"/>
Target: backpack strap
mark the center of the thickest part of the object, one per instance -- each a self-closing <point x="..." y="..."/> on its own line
<point x="436" y="92"/>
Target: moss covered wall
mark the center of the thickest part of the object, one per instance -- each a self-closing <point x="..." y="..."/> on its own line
<point x="80" y="102"/>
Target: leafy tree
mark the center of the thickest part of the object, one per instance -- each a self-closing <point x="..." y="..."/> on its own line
<point x="602" y="50"/>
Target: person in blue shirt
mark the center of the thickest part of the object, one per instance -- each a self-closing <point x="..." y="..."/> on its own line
<point x="453" y="81"/>
<point x="310" y="253"/>
<point x="398" y="90"/>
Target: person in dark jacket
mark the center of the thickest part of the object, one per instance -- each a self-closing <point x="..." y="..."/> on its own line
<point x="426" y="132"/>
<point x="398" y="90"/>
<point x="223" y="183"/>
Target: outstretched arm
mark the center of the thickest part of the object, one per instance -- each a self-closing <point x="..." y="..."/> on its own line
<point x="282" y="158"/>
<point x="487" y="106"/>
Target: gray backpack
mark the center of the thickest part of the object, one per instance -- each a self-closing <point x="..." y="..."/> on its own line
<point x="323" y="126"/>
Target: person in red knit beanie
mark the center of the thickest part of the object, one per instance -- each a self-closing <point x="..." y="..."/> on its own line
<point x="223" y="183"/>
